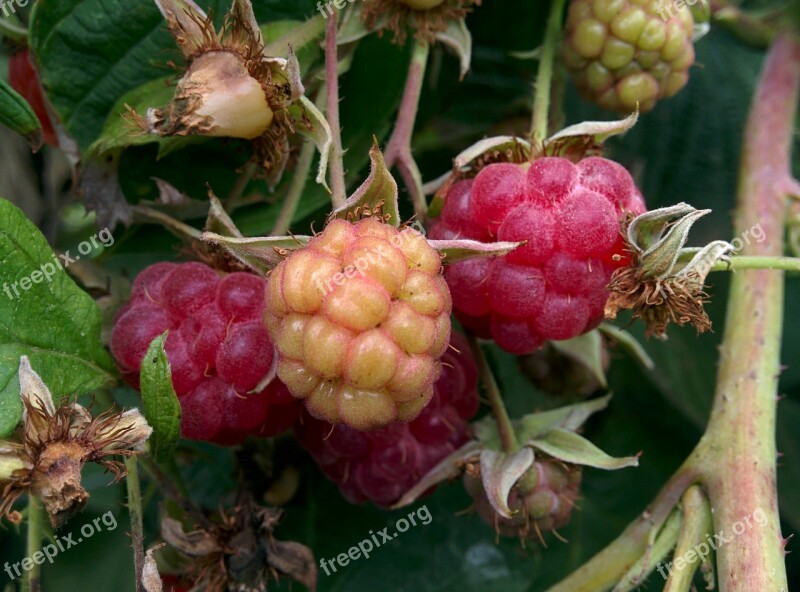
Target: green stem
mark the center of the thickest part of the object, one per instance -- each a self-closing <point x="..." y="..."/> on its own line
<point x="292" y="199"/>
<point x="31" y="581"/>
<point x="504" y="427"/>
<point x="398" y="149"/>
<point x="336" y="164"/>
<point x="544" y="77"/>
<point x="740" y="262"/>
<point x="237" y="190"/>
<point x="606" y="568"/>
<point x="135" y="512"/>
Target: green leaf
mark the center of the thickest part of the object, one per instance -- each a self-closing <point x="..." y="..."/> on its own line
<point x="10" y="405"/>
<point x="573" y="448"/>
<point x="17" y="114"/>
<point x="52" y="321"/>
<point x="159" y="401"/>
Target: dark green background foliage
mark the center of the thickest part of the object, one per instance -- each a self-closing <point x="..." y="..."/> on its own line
<point x="94" y="51"/>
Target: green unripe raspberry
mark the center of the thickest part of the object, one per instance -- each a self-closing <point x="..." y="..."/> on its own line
<point x="625" y="52"/>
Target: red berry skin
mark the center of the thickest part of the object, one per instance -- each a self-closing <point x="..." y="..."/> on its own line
<point x="380" y="466"/>
<point x="23" y="78"/>
<point x="553" y="287"/>
<point x="218" y="349"/>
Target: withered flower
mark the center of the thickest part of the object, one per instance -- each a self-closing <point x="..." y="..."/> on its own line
<point x="232" y="88"/>
<point x="56" y="443"/>
<point x="239" y="552"/>
<point x="427" y="17"/>
<point x="665" y="281"/>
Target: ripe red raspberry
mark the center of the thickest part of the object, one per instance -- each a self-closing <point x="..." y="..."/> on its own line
<point x="218" y="349"/>
<point x="545" y="507"/>
<point x="360" y="316"/>
<point x="554" y="286"/>
<point x="624" y="52"/>
<point x="380" y="466"/>
<point x="22" y="77"/>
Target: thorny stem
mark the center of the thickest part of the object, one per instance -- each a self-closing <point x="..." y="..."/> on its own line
<point x="735" y="460"/>
<point x="740" y="471"/>
<point x="135" y="512"/>
<point x="398" y="149"/>
<point x="31" y="582"/>
<point x="298" y="185"/>
<point x="544" y="76"/>
<point x="336" y="164"/>
<point x="504" y="427"/>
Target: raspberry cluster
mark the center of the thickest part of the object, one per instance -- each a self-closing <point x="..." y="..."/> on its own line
<point x="380" y="466"/>
<point x="554" y="286"/>
<point x="624" y="52"/>
<point x="218" y="349"/>
<point x="544" y="508"/>
<point x="360" y="316"/>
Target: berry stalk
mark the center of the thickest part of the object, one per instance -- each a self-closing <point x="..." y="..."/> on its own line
<point x="740" y="465"/>
<point x="544" y="77"/>
<point x="336" y="164"/>
<point x="398" y="149"/>
<point x="756" y="262"/>
<point x="292" y="199"/>
<point x="31" y="580"/>
<point x="135" y="513"/>
<point x="504" y="427"/>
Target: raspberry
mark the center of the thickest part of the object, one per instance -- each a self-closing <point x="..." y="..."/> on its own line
<point x="554" y="286"/>
<point x="360" y="317"/>
<point x="218" y="349"/>
<point x="621" y="52"/>
<point x="546" y="507"/>
<point x="23" y="78"/>
<point x="380" y="466"/>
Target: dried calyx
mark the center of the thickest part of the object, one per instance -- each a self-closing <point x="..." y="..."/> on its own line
<point x="239" y="551"/>
<point x="55" y="444"/>
<point x="665" y="281"/>
<point x="425" y="17"/>
<point x="231" y="88"/>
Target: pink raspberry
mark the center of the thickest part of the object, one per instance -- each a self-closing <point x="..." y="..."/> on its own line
<point x="380" y="466"/>
<point x="218" y="349"/>
<point x="554" y="286"/>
